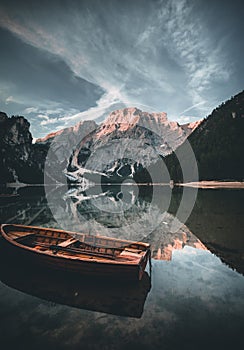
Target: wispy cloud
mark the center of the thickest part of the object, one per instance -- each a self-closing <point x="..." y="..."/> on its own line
<point x="47" y="121"/>
<point x="184" y="119"/>
<point x="167" y="61"/>
<point x="42" y="116"/>
<point x="108" y="100"/>
<point x="192" y="107"/>
<point x="9" y="99"/>
<point x="29" y="110"/>
<point x="96" y="55"/>
<point x="190" y="45"/>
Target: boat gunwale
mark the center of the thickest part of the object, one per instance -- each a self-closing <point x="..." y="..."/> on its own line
<point x="70" y="258"/>
<point x="146" y="245"/>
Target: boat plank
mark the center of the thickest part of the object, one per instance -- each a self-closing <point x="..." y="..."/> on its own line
<point x="19" y="234"/>
<point x="67" y="242"/>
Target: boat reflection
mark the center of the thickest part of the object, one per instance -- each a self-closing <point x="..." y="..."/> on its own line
<point x="66" y="289"/>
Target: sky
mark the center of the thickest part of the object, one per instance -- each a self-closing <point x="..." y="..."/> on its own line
<point x="66" y="61"/>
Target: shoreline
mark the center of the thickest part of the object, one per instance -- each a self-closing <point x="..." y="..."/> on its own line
<point x="213" y="184"/>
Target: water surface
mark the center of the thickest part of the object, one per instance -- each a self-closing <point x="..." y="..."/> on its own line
<point x="193" y="299"/>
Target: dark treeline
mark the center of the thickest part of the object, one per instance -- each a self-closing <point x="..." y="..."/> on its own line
<point x="218" y="144"/>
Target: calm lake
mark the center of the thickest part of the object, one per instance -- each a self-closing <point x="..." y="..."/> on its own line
<point x="192" y="298"/>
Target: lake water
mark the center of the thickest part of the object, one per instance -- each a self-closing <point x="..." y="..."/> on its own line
<point x="192" y="300"/>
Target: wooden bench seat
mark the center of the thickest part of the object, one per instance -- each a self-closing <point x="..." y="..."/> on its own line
<point x="67" y="242"/>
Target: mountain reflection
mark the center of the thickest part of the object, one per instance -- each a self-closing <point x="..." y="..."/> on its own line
<point x="129" y="213"/>
<point x="136" y="213"/>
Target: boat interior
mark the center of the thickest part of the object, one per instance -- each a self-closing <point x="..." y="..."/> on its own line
<point x="76" y="244"/>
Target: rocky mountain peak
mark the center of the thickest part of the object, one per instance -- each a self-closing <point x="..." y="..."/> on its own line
<point x="134" y="115"/>
<point x="78" y="130"/>
<point x="15" y="146"/>
<point x="15" y="130"/>
<point x="128" y="118"/>
<point x="127" y="140"/>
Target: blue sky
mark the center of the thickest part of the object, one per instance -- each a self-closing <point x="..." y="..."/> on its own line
<point x="65" y="61"/>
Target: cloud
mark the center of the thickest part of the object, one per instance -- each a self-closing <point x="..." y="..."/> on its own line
<point x="107" y="101"/>
<point x="31" y="110"/>
<point x="161" y="55"/>
<point x="190" y="44"/>
<point x="48" y="120"/>
<point x="42" y="116"/>
<point x="95" y="52"/>
<point x="37" y="82"/>
<point x="192" y="107"/>
<point x="184" y="119"/>
<point x="9" y="99"/>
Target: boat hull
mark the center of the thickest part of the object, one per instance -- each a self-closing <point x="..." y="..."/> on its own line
<point x="91" y="269"/>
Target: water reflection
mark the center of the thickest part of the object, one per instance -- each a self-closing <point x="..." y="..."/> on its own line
<point x="116" y="211"/>
<point x="126" y="212"/>
<point x="195" y="300"/>
<point x="109" y="297"/>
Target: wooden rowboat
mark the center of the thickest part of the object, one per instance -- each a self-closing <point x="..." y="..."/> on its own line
<point x="90" y="255"/>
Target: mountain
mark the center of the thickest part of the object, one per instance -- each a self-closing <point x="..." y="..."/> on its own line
<point x="131" y="144"/>
<point x="217" y="143"/>
<point x="66" y="139"/>
<point x="127" y="141"/>
<point x="16" y="149"/>
<point x="60" y="145"/>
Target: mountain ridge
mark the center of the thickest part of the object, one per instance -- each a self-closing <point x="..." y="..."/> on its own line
<point x="118" y="149"/>
<point x="127" y="140"/>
